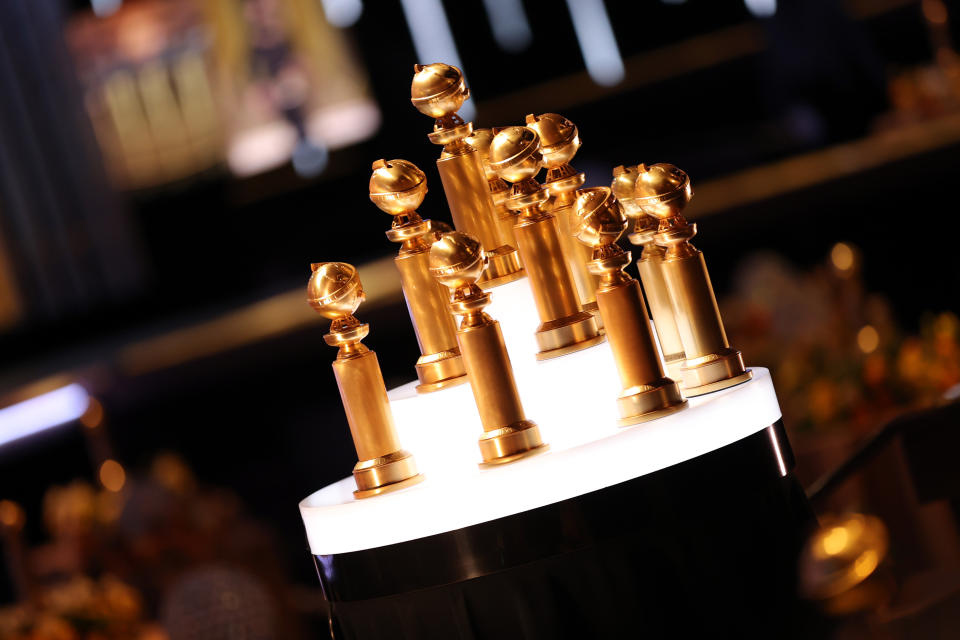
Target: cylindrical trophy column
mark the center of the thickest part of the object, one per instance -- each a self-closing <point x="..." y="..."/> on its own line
<point x="650" y="267"/>
<point x="551" y="281"/>
<point x="491" y="375"/>
<point x="631" y="341"/>
<point x="468" y="195"/>
<point x="365" y="402"/>
<point x="695" y="305"/>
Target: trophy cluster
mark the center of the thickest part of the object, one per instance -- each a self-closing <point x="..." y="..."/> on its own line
<point x="334" y="289"/>
<point x="397" y="186"/>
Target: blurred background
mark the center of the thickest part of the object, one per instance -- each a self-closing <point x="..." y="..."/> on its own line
<point x="170" y="168"/>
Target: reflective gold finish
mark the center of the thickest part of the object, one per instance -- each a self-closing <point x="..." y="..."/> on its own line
<point x="480" y="140"/>
<point x="438" y="90"/>
<point x="564" y="326"/>
<point x="650" y="266"/>
<point x="663" y="190"/>
<point x="335" y="292"/>
<point x="398" y="188"/>
<point x="647" y="392"/>
<point x="841" y="564"/>
<point x="457" y="260"/>
<point x="559" y="142"/>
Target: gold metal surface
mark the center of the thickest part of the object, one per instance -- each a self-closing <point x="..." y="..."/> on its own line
<point x="398" y="188"/>
<point x="559" y="142"/>
<point x="335" y="292"/>
<point x="650" y="267"/>
<point x="663" y="190"/>
<point x="480" y="140"/>
<point x="457" y="260"/>
<point x="647" y="393"/>
<point x="842" y="564"/>
<point x="438" y="90"/>
<point x="564" y="326"/>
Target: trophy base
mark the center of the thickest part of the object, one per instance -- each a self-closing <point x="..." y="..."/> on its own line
<point x="503" y="266"/>
<point x="518" y="440"/>
<point x="720" y="372"/>
<point x="567" y="335"/>
<point x="391" y="472"/>
<point x="674" y="369"/>
<point x="594" y="309"/>
<point x="650" y="402"/>
<point x="440" y="370"/>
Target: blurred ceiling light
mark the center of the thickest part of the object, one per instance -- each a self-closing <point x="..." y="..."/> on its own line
<point x="509" y="23"/>
<point x="309" y="159"/>
<point x="342" y="13"/>
<point x="42" y="412"/>
<point x="104" y="8"/>
<point x="761" y="8"/>
<point x="598" y="44"/>
<point x="433" y="41"/>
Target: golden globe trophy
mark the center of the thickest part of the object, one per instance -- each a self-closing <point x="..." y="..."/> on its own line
<point x="564" y="326"/>
<point x="438" y="90"/>
<point x="650" y="267"/>
<point x="335" y="292"/>
<point x="662" y="191"/>
<point x="647" y="393"/>
<point x="457" y="260"/>
<point x="398" y="188"/>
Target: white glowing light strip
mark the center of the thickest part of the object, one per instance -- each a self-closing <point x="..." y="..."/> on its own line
<point x="450" y="500"/>
<point x="509" y="23"/>
<point x="761" y="8"/>
<point x="591" y="23"/>
<point x="433" y="40"/>
<point x="776" y="451"/>
<point x="342" y="13"/>
<point x="42" y="412"/>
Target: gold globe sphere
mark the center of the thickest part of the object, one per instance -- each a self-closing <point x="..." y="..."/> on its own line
<point x="515" y="154"/>
<point x="624" y="189"/>
<point x="334" y="289"/>
<point x="397" y="186"/>
<point x="559" y="138"/>
<point x="662" y="190"/>
<point x="457" y="259"/>
<point x="600" y="217"/>
<point x="438" y="89"/>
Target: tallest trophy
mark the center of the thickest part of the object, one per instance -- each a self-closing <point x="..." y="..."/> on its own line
<point x="438" y="90"/>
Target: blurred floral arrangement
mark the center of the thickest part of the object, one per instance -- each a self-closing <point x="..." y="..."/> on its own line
<point x="837" y="356"/>
<point x="148" y="556"/>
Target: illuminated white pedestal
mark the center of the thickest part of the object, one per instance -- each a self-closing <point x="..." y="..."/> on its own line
<point x="588" y="453"/>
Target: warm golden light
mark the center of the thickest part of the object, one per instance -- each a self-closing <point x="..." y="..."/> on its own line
<point x="868" y="339"/>
<point x="934" y="11"/>
<point x="835" y="541"/>
<point x="112" y="475"/>
<point x="866" y="563"/>
<point x="93" y="416"/>
<point x="11" y="515"/>
<point x="842" y="256"/>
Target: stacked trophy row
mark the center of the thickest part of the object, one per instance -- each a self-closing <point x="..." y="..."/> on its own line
<point x="558" y="234"/>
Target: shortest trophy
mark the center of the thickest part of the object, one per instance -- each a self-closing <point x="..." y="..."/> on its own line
<point x="335" y="292"/>
<point x="457" y="260"/>
<point x="647" y="393"/>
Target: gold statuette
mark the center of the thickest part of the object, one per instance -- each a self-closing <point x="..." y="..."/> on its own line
<point x="647" y="393"/>
<point x="398" y="188"/>
<point x="480" y="140"/>
<point x="564" y="326"/>
<point x="335" y="292"/>
<point x="457" y="260"/>
<point x="438" y="90"/>
<point x="559" y="142"/>
<point x="650" y="266"/>
<point x="663" y="190"/>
